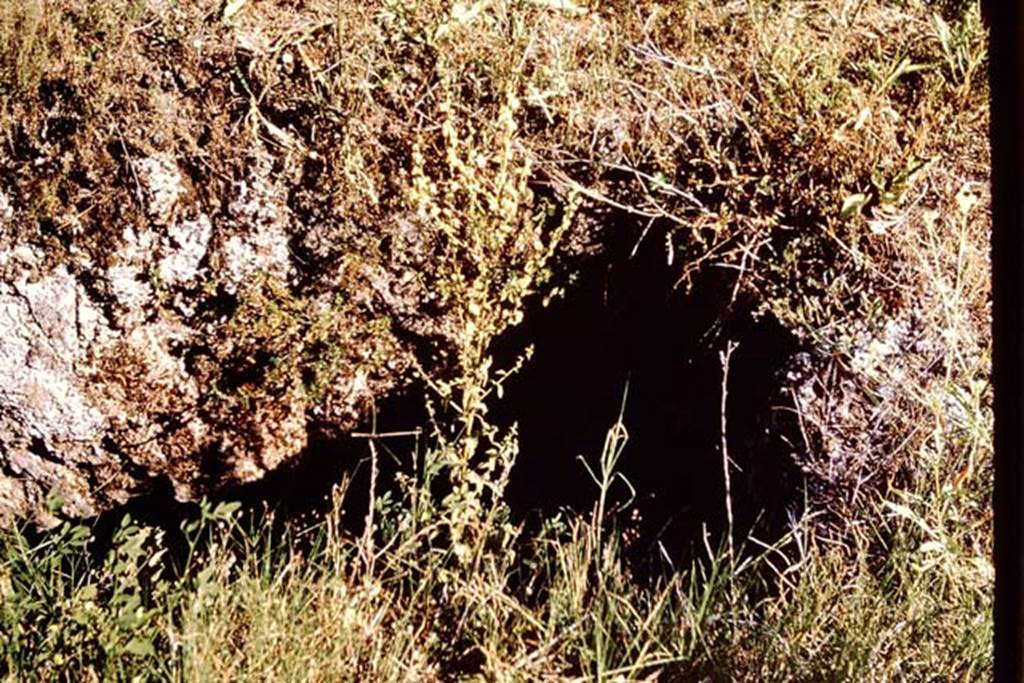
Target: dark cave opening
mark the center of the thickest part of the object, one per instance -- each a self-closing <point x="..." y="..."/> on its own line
<point x="625" y="321"/>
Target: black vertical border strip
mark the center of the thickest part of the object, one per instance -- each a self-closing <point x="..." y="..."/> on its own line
<point x="1005" y="37"/>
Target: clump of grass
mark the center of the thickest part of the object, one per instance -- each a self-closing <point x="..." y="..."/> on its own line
<point x="42" y="40"/>
<point x="23" y="31"/>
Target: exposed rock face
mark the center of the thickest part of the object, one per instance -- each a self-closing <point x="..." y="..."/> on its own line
<point x="118" y="366"/>
<point x="194" y="280"/>
<point x="51" y="433"/>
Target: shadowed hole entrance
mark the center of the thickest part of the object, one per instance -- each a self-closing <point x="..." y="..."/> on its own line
<point x="623" y="323"/>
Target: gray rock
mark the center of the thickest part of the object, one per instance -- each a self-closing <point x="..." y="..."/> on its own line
<point x="114" y="375"/>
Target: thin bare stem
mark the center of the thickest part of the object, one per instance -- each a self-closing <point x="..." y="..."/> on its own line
<point x="725" y="356"/>
<point x="367" y="543"/>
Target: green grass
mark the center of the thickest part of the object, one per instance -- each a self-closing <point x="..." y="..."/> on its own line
<point x="908" y="598"/>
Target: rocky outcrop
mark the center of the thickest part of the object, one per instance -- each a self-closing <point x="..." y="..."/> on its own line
<point x="182" y="346"/>
<point x="206" y="258"/>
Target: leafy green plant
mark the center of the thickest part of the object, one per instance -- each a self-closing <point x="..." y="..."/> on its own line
<point x="61" y="613"/>
<point x="495" y="251"/>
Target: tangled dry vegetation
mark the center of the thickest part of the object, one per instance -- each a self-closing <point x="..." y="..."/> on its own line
<point x="440" y="164"/>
